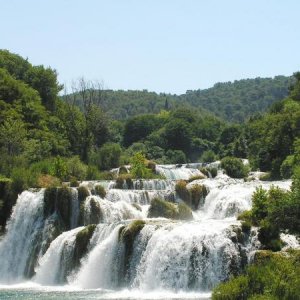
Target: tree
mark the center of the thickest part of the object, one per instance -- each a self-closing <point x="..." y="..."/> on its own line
<point x="90" y="95"/>
<point x="12" y="136"/>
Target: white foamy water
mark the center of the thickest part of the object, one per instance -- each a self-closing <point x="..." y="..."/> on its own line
<point x="166" y="259"/>
<point x="23" y="230"/>
<point x="58" y="255"/>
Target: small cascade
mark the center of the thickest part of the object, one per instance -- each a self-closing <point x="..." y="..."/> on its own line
<point x="58" y="258"/>
<point x="141" y="197"/>
<point x="188" y="256"/>
<point x="101" y="268"/>
<point x="98" y="210"/>
<point x="74" y="216"/>
<point x="174" y="172"/>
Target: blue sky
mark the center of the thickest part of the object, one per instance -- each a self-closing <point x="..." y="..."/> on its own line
<point x="159" y="45"/>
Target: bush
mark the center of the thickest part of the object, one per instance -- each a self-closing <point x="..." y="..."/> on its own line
<point x="138" y="167"/>
<point x="246" y="226"/>
<point x="92" y="173"/>
<point x="245" y="216"/>
<point x="75" y="168"/>
<point x="286" y="168"/>
<point x="176" y="157"/>
<point x="208" y="156"/>
<point x="109" y="156"/>
<point x="234" y="167"/>
<point x="272" y="276"/>
<point x="45" y="181"/>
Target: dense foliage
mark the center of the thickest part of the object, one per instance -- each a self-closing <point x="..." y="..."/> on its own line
<point x="272" y="276"/>
<point x="273" y="139"/>
<point x="234" y="167"/>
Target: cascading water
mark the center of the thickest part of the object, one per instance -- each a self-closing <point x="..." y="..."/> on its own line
<point x="55" y="244"/>
<point x="20" y="243"/>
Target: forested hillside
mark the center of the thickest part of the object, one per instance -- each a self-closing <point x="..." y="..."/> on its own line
<point x="233" y="101"/>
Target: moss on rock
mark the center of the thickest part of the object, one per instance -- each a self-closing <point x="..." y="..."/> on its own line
<point x="197" y="195"/>
<point x="196" y="177"/>
<point x="83" y="193"/>
<point x="63" y="204"/>
<point x="127" y="235"/>
<point x="165" y="209"/>
<point x="100" y="191"/>
<point x="122" y="179"/>
<point x="184" y="212"/>
<point x="162" y="208"/>
<point x="50" y="197"/>
<point x="183" y="192"/>
<point x="81" y="243"/>
<point x="136" y="206"/>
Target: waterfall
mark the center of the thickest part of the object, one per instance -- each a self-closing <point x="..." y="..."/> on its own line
<point x="20" y="244"/>
<point x="117" y="246"/>
<point x="98" y="210"/>
<point x="174" y="172"/>
<point x="100" y="269"/>
<point x="57" y="258"/>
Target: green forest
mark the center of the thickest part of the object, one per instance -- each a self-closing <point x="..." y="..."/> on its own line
<point x="49" y="135"/>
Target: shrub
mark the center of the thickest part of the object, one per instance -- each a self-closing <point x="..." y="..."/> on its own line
<point x="100" y="191"/>
<point x="176" y="157"/>
<point x="75" y="168"/>
<point x="234" y="167"/>
<point x="45" y="181"/>
<point x="272" y="276"/>
<point x="236" y="289"/>
<point x="245" y="216"/>
<point x="259" y="205"/>
<point x="92" y="173"/>
<point x="138" y="167"/>
<point x="208" y="156"/>
<point x="246" y="226"/>
<point x="106" y="176"/>
<point x="109" y="156"/>
<point x="286" y="168"/>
